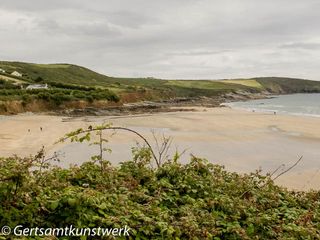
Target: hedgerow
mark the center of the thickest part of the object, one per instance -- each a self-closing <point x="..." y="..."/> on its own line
<point x="58" y="96"/>
<point x="196" y="200"/>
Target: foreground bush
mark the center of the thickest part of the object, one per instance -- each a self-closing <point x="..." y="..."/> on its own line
<point x="197" y="200"/>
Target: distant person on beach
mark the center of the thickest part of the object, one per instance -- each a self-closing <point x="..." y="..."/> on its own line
<point x="275" y="113"/>
<point x="41" y="129"/>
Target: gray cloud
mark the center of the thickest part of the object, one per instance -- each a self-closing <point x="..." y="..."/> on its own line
<point x="84" y="29"/>
<point x="198" y="52"/>
<point x="302" y="45"/>
<point x="205" y="39"/>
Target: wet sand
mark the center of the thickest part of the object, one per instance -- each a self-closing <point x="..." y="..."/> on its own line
<point x="242" y="141"/>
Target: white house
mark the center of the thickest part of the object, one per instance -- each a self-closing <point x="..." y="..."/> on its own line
<point x="17" y="74"/>
<point x="37" y="86"/>
<point x="2" y="71"/>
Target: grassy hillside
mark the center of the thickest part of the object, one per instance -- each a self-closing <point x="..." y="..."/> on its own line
<point x="70" y="82"/>
<point x="55" y="72"/>
<point x="72" y="74"/>
<point x="245" y="82"/>
<point x="289" y="85"/>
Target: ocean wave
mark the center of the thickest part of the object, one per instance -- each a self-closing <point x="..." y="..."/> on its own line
<point x="298" y="105"/>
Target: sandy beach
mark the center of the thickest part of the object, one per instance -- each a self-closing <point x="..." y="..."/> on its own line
<point x="242" y="141"/>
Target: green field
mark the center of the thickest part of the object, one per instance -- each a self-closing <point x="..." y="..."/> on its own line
<point x="56" y="66"/>
<point x="203" y="84"/>
<point x="245" y="82"/>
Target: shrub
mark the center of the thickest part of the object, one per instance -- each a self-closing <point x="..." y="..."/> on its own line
<point x="39" y="79"/>
<point x="197" y="200"/>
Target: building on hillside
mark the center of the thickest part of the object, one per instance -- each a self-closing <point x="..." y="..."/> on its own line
<point x="2" y="71"/>
<point x="17" y="74"/>
<point x="37" y="86"/>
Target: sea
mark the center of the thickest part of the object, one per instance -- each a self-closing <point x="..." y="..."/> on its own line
<point x="293" y="104"/>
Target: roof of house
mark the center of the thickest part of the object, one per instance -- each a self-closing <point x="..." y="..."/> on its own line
<point x="38" y="86"/>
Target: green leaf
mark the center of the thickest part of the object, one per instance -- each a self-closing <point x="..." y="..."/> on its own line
<point x="53" y="205"/>
<point x="250" y="229"/>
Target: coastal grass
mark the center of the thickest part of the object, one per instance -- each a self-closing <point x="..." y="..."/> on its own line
<point x="55" y="65"/>
<point x="289" y="85"/>
<point x="202" y="84"/>
<point x="245" y="82"/>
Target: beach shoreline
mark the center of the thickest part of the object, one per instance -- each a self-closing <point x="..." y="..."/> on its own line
<point x="242" y="141"/>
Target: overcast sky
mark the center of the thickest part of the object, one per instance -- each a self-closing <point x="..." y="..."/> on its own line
<point x="199" y="39"/>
